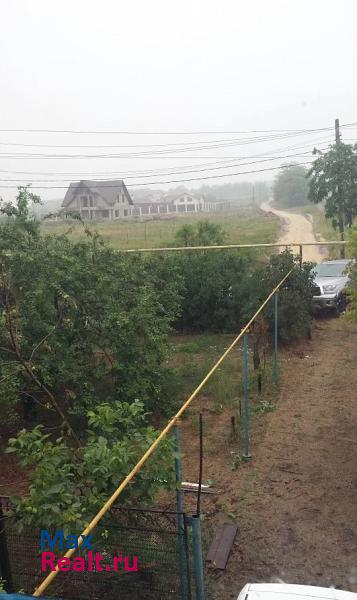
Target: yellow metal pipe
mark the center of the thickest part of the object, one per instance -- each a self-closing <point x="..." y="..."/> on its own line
<point x="94" y="522"/>
<point x="228" y="246"/>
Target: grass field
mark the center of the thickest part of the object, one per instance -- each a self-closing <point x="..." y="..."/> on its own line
<point x="244" y="226"/>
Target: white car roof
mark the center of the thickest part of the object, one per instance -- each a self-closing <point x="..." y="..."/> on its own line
<point x="287" y="591"/>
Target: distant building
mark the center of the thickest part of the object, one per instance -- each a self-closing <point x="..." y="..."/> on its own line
<point x="189" y="203"/>
<point x="184" y="203"/>
<point x="96" y="200"/>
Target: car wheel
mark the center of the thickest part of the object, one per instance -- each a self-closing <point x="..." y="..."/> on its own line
<point x="340" y="307"/>
<point x="336" y="311"/>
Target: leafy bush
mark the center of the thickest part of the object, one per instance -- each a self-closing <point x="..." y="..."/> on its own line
<point x="295" y="296"/>
<point x="211" y="300"/>
<point x="221" y="290"/>
<point x="207" y="280"/>
<point x="69" y="486"/>
<point x="204" y="234"/>
<point x="352" y="288"/>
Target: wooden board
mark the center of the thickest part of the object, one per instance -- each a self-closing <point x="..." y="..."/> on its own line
<point x="221" y="545"/>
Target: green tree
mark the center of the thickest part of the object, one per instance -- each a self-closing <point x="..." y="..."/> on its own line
<point x="333" y="179"/>
<point x="291" y="186"/>
<point x="83" y="337"/>
<point x="20" y="213"/>
<point x="80" y="324"/>
<point x="204" y="233"/>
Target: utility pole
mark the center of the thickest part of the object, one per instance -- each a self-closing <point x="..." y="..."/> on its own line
<point x="337" y="132"/>
<point x="339" y="190"/>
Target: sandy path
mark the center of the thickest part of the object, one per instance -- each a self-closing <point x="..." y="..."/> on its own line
<point x="297" y="229"/>
<point x="299" y="518"/>
<point x="295" y="502"/>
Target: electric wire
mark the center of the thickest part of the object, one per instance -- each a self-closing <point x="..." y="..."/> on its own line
<point x="56" y="187"/>
<point x="121" y="173"/>
<point x="128" y="132"/>
<point x="173" y="172"/>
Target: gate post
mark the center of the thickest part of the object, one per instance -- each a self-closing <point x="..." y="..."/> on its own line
<point x="197" y="557"/>
<point x="5" y="567"/>
<point x="276" y="356"/>
<point x="246" y="445"/>
<point x="183" y="557"/>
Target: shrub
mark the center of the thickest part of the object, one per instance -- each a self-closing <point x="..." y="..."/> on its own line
<point x="295" y="296"/>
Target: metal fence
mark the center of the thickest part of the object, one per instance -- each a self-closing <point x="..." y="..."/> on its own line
<point x="159" y="540"/>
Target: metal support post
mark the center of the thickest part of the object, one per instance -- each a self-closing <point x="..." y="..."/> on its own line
<point x="197" y="557"/>
<point x="5" y="567"/>
<point x="246" y="444"/>
<point x="300" y="255"/>
<point x="180" y="518"/>
<point x="276" y="355"/>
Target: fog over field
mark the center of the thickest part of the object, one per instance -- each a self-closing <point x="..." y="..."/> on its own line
<point x="202" y="72"/>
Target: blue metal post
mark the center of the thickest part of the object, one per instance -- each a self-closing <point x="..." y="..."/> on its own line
<point x="246" y="450"/>
<point x="276" y="355"/>
<point x="197" y="556"/>
<point x="180" y="518"/>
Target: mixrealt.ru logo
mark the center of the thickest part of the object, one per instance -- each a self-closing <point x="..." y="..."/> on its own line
<point x="92" y="561"/>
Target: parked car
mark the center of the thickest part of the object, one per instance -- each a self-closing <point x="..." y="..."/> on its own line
<point x="287" y="591"/>
<point x="329" y="291"/>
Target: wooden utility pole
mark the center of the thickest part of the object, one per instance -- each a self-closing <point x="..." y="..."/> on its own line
<point x="339" y="191"/>
<point x="337" y="131"/>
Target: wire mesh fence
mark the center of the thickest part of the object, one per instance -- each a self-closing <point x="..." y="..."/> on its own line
<point x="145" y="555"/>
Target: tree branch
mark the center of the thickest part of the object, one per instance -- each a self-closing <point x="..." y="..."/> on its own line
<point x="44" y="339"/>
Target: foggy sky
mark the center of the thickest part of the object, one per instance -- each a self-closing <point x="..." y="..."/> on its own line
<point x="169" y="65"/>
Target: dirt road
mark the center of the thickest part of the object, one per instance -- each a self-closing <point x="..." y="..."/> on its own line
<point x="297" y="228"/>
<point x="295" y="502"/>
<point x="300" y="517"/>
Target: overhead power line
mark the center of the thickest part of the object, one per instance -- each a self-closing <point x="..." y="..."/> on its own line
<point x="180" y="145"/>
<point x="124" y="132"/>
<point x="93" y="175"/>
<point x="149" y="154"/>
<point x="213" y="143"/>
<point x="58" y="187"/>
<point x="175" y="172"/>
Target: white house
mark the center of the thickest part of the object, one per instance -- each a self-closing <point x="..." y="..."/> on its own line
<point x="98" y="199"/>
<point x="189" y="203"/>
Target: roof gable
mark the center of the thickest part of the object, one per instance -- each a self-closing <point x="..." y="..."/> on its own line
<point x="108" y="190"/>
